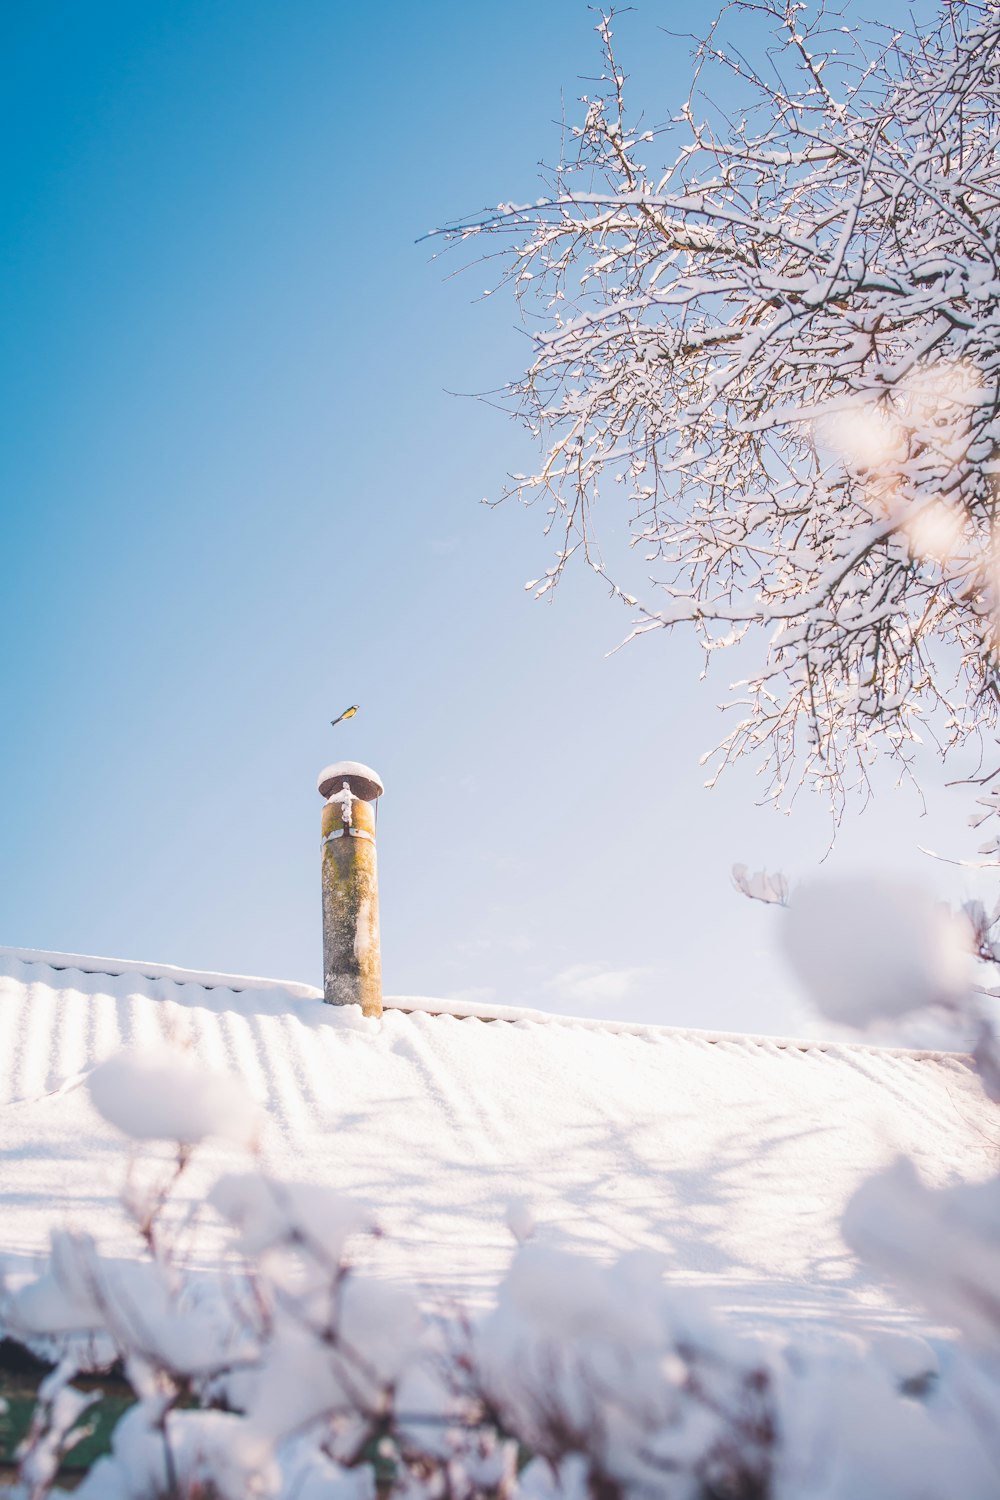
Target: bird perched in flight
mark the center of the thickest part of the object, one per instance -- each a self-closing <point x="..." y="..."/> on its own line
<point x="347" y="714"/>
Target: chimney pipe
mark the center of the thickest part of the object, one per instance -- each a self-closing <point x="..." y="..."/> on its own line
<point x="352" y="959"/>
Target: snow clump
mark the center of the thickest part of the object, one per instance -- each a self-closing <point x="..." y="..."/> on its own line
<point x="870" y="950"/>
<point x="164" y="1094"/>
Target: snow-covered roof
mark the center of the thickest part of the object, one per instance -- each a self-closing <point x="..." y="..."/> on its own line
<point x="731" y="1155"/>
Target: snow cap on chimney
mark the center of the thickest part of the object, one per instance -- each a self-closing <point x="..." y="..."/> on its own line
<point x="362" y="780"/>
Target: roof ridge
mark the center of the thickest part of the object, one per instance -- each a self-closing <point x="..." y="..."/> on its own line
<point x="458" y="1009"/>
<point x="468" y="1010"/>
<point x="89" y="963"/>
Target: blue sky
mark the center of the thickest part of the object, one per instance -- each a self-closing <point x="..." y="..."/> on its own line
<point x="237" y="495"/>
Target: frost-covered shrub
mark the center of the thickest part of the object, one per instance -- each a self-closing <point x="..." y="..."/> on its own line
<point x="294" y="1376"/>
<point x="611" y="1367"/>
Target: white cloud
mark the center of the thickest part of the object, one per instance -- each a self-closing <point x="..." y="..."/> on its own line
<point x="592" y="986"/>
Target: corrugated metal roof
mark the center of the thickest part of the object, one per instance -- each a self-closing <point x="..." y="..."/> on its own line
<point x="732" y="1156"/>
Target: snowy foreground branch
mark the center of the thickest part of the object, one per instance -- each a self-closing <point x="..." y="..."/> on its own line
<point x="783" y="342"/>
<point x="292" y="1374"/>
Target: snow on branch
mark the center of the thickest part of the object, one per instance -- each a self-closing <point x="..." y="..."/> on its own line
<point x="760" y="886"/>
<point x="871" y="952"/>
<point x="869" y="949"/>
<point x="779" y="330"/>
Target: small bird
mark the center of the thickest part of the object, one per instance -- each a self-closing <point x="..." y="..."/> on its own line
<point x="347" y="714"/>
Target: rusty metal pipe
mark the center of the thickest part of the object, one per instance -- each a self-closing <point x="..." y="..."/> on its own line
<point x="352" y="959"/>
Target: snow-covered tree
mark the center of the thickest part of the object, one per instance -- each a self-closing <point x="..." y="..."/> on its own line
<point x="776" y="325"/>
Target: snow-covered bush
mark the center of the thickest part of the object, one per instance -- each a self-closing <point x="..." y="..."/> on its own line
<point x="291" y="1373"/>
<point x="295" y="1374"/>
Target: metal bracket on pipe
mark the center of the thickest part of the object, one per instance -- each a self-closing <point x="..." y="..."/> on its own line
<point x="355" y="833"/>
